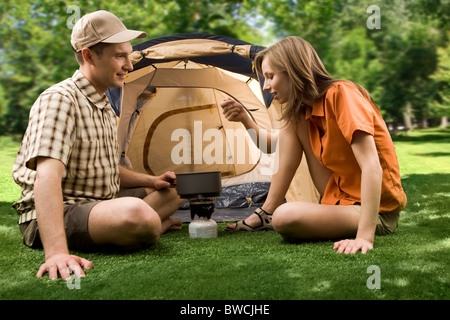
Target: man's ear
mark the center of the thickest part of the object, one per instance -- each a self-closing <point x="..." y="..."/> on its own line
<point x="87" y="55"/>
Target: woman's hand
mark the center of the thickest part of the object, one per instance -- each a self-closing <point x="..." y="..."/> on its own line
<point x="353" y="246"/>
<point x="233" y="110"/>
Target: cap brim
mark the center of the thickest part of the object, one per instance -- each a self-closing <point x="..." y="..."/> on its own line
<point x="124" y="36"/>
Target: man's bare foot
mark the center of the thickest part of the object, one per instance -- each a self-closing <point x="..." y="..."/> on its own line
<point x="170" y="224"/>
<point x="253" y="221"/>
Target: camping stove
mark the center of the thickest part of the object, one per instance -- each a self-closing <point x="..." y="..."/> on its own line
<point x="204" y="226"/>
<point x="201" y="190"/>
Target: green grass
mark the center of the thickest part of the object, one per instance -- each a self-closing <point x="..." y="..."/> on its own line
<point x="414" y="262"/>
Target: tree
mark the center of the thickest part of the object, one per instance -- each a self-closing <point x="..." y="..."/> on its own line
<point x="34" y="55"/>
<point x="440" y="106"/>
<point x="394" y="60"/>
<point x="407" y="53"/>
<point x="35" y="50"/>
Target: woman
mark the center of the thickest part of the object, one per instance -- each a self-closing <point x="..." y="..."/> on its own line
<point x="346" y="143"/>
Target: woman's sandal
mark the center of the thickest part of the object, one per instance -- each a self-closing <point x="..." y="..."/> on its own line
<point x="266" y="220"/>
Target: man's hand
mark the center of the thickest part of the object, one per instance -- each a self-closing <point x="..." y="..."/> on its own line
<point x="50" y="218"/>
<point x="166" y="180"/>
<point x="61" y="263"/>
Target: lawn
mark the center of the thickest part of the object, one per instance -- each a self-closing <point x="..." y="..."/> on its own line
<point x="411" y="264"/>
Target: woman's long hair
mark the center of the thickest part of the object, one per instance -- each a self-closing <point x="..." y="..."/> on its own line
<point x="307" y="75"/>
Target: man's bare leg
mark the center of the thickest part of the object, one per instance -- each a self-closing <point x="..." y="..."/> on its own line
<point x="133" y="223"/>
<point x="124" y="222"/>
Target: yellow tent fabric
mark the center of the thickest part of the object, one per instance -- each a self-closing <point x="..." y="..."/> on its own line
<point x="170" y="117"/>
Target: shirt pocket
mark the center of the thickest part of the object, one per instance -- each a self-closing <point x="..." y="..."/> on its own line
<point x="84" y="160"/>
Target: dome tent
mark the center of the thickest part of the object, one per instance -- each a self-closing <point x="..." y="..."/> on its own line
<point x="171" y="119"/>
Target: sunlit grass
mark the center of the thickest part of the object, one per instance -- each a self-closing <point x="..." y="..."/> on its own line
<point x="260" y="266"/>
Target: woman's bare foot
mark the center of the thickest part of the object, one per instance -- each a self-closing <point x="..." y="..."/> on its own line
<point x="170" y="224"/>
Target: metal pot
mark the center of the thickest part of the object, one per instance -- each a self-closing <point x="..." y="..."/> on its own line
<point x="199" y="184"/>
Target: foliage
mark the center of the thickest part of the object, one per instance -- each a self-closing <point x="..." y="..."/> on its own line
<point x="402" y="63"/>
<point x="394" y="62"/>
<point x="439" y="106"/>
<point x="35" y="48"/>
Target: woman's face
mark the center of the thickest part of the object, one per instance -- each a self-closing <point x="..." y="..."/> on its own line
<point x="276" y="83"/>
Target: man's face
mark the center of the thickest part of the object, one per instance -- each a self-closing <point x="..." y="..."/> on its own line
<point x="112" y="66"/>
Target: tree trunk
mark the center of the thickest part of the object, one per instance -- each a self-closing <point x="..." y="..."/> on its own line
<point x="444" y="122"/>
<point x="407" y="117"/>
<point x="425" y="120"/>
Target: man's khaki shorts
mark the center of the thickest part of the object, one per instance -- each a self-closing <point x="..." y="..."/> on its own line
<point x="76" y="218"/>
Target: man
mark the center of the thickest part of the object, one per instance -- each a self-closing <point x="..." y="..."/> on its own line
<point x="67" y="165"/>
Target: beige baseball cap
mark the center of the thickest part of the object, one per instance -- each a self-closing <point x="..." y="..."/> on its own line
<point x="101" y="26"/>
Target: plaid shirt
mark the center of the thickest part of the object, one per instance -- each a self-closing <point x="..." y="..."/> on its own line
<point x="72" y="123"/>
